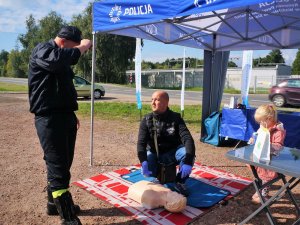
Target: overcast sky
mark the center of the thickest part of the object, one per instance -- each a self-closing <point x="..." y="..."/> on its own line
<point x="15" y="12"/>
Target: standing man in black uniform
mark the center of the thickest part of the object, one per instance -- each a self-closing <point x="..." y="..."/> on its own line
<point x="53" y="100"/>
<point x="174" y="141"/>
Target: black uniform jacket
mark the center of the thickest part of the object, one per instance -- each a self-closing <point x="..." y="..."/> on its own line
<point x="50" y="79"/>
<point x="171" y="133"/>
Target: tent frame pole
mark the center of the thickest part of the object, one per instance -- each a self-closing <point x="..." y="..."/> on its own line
<point x="212" y="72"/>
<point x="92" y="99"/>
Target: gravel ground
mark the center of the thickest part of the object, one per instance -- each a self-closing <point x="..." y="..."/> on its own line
<point x="23" y="176"/>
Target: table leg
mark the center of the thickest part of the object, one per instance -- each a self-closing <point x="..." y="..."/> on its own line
<point x="265" y="205"/>
<point x="258" y="186"/>
<point x="297" y="222"/>
<point x="289" y="193"/>
<point x="294" y="184"/>
<point x="286" y="188"/>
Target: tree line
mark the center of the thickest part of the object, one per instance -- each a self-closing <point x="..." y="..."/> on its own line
<point x="114" y="54"/>
<point x="274" y="57"/>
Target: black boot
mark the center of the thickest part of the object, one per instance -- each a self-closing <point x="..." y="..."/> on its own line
<point x="51" y="207"/>
<point x="64" y="207"/>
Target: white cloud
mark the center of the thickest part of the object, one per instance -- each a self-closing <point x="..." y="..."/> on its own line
<point x="14" y="13"/>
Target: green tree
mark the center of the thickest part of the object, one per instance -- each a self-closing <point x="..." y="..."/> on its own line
<point x="3" y="62"/>
<point x="178" y="65"/>
<point x="114" y="54"/>
<point x="148" y="65"/>
<point x="231" y="64"/>
<point x="172" y="64"/>
<point x="30" y="39"/>
<point x="275" y="56"/>
<point x="83" y="22"/>
<point x="49" y="26"/>
<point x="256" y="62"/>
<point x="296" y="64"/>
<point x="160" y="66"/>
<point x="193" y="62"/>
<point x="46" y="29"/>
<point x="15" y="65"/>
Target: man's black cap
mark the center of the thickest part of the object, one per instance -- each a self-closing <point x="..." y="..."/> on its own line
<point x="70" y="33"/>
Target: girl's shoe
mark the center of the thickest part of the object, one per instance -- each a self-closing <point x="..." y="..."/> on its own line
<point x="256" y="199"/>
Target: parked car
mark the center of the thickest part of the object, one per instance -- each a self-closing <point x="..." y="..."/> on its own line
<point x="83" y="88"/>
<point x="286" y="92"/>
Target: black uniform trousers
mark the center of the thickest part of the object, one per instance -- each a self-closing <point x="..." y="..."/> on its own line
<point x="57" y="133"/>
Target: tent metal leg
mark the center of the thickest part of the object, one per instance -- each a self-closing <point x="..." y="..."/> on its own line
<point x="92" y="99"/>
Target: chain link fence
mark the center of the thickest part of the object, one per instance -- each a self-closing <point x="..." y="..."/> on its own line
<point x="261" y="80"/>
<point x="168" y="78"/>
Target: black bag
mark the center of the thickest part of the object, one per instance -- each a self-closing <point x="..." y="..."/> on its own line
<point x="166" y="173"/>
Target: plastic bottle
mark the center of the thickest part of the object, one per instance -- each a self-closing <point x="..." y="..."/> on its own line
<point x="254" y="136"/>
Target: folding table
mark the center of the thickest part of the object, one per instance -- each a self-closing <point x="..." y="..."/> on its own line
<point x="286" y="163"/>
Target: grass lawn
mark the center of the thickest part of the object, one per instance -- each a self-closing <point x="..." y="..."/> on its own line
<point x="129" y="112"/>
<point x="13" y="87"/>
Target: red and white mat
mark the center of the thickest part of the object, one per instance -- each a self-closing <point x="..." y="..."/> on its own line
<point x="111" y="188"/>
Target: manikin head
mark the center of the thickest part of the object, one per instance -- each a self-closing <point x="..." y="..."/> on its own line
<point x="175" y="202"/>
<point x="160" y="102"/>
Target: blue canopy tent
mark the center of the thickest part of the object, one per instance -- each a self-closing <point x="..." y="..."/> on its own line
<point x="217" y="26"/>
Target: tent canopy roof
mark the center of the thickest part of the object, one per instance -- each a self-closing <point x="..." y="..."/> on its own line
<point x="219" y="25"/>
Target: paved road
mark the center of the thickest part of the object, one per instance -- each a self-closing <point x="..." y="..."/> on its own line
<point x="13" y="80"/>
<point x="191" y="97"/>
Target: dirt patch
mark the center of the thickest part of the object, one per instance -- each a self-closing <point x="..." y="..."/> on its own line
<point x="23" y="177"/>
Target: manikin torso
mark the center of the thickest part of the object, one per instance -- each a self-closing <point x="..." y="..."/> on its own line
<point x="152" y="195"/>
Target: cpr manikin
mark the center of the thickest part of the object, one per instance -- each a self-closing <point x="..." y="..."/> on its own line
<point x="152" y="195"/>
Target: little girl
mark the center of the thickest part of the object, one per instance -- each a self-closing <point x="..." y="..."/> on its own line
<point x="266" y="116"/>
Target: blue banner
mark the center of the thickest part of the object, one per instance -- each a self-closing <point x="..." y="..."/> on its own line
<point x="182" y="82"/>
<point x="246" y="76"/>
<point x="138" y="73"/>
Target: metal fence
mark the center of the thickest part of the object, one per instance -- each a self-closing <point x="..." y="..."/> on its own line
<point x="260" y="79"/>
<point x="168" y="78"/>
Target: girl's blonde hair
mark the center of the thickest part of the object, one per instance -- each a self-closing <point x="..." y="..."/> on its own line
<point x="264" y="112"/>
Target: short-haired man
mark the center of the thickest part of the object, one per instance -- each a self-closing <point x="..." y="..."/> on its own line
<point x="174" y="141"/>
